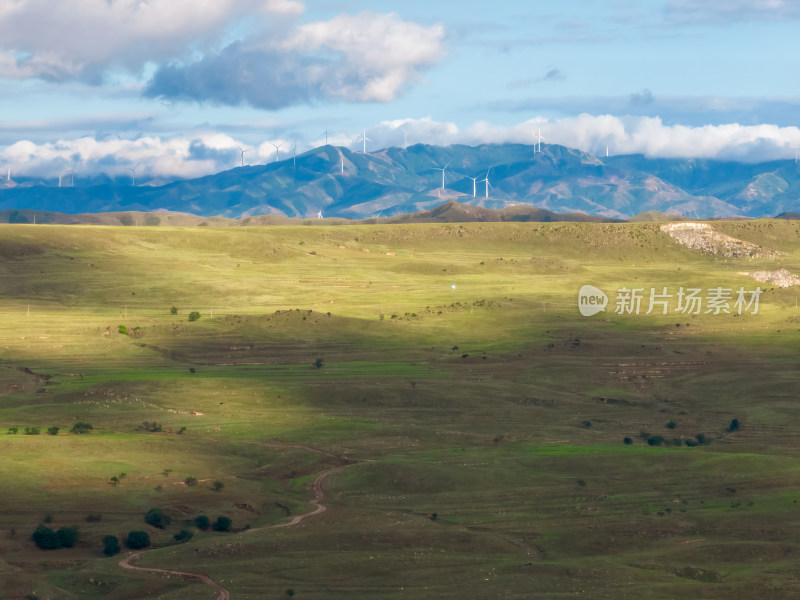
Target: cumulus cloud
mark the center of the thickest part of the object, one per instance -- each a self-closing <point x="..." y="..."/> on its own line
<point x="62" y="41"/>
<point x="716" y="12"/>
<point x="202" y="154"/>
<point x="366" y="57"/>
<point x="622" y="135"/>
<point x="178" y="157"/>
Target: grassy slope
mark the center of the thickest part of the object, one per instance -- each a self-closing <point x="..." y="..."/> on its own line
<point x="482" y="404"/>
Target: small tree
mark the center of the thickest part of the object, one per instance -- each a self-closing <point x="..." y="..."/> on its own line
<point x="190" y="481"/>
<point x="194" y="315"/>
<point x="13" y="430"/>
<point x="53" y="430"/>
<point x="222" y="524"/>
<point x="46" y="539"/>
<point x="111" y="545"/>
<point x="202" y="522"/>
<point x="217" y="485"/>
<point x="319" y="362"/>
<point x="81" y="427"/>
<point x="183" y="536"/>
<point x="32" y="431"/>
<point x="67" y="536"/>
<point x="157" y="518"/>
<point x="734" y="426"/>
<point x="137" y="540"/>
<point x="173" y="310"/>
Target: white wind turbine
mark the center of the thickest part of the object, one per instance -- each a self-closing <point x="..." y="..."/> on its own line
<point x="488" y="185"/>
<point x="133" y="174"/>
<point x="294" y="155"/>
<point x="538" y="136"/>
<point x="365" y="139"/>
<point x="442" y="169"/>
<point x="242" y="150"/>
<point x="474" y="186"/>
<point x="325" y="133"/>
<point x="277" y="150"/>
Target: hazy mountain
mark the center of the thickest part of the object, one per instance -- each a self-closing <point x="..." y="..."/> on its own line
<point x="339" y="182"/>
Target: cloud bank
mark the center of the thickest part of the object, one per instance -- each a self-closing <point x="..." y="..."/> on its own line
<point x="231" y="52"/>
<point x="202" y="154"/>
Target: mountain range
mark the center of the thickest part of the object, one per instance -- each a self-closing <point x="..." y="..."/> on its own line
<point x="338" y="182"/>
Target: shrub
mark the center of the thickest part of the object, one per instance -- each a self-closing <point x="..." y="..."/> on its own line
<point x="32" y="431"/>
<point x="122" y="329"/>
<point x="157" y="518"/>
<point x="217" y="485"/>
<point x="94" y="518"/>
<point x="81" y="427"/>
<point x="222" y="524"/>
<point x="734" y="426"/>
<point x="173" y="310"/>
<point x="671" y="425"/>
<point x="183" y="536"/>
<point x="53" y="430"/>
<point x="318" y="363"/>
<point x="655" y="440"/>
<point x="45" y="538"/>
<point x="137" y="540"/>
<point x="13" y="430"/>
<point x="627" y="441"/>
<point x="67" y="536"/>
<point x="202" y="522"/>
<point x="190" y="481"/>
<point x="111" y="545"/>
<point x="194" y="315"/>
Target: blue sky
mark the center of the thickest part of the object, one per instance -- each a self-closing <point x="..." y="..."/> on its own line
<point x="177" y="86"/>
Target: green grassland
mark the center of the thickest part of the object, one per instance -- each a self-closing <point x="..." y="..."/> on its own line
<point x="471" y="420"/>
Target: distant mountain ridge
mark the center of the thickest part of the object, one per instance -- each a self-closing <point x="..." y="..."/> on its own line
<point x="339" y="182"/>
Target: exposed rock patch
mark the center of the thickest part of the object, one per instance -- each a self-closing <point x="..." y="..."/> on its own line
<point x="700" y="236"/>
<point x="780" y="278"/>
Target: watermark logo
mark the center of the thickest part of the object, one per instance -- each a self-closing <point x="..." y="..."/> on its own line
<point x="664" y="301"/>
<point x="591" y="300"/>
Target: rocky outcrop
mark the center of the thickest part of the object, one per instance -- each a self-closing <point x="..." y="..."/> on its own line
<point x="700" y="236"/>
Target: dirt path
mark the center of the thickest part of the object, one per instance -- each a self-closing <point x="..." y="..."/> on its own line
<point x="319" y="494"/>
<point x="222" y="594"/>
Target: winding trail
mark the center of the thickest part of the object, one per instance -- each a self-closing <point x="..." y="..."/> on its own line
<point x="319" y="494"/>
<point x="223" y="594"/>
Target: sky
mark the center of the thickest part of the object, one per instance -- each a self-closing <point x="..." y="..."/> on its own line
<point x="183" y="88"/>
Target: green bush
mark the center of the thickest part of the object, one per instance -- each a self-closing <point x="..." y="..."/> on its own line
<point x="81" y="427"/>
<point x="53" y="430"/>
<point x="217" y="485"/>
<point x="183" y="536"/>
<point x="46" y="539"/>
<point x="157" y="518"/>
<point x="122" y="329"/>
<point x="111" y="545"/>
<point x="190" y="481"/>
<point x="202" y="522"/>
<point x="173" y="310"/>
<point x="222" y="524"/>
<point x="67" y="536"/>
<point x="13" y="430"/>
<point x="32" y="431"/>
<point x="137" y="540"/>
<point x="194" y="315"/>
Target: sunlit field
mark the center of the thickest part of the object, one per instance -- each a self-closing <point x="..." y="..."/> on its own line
<point x="481" y="438"/>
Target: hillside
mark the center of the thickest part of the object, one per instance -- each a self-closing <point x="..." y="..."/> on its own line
<point x="339" y="182"/>
<point x="414" y="410"/>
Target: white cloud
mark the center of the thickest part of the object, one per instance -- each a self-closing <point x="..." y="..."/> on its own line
<point x="202" y="154"/>
<point x="381" y="52"/>
<point x="81" y="39"/>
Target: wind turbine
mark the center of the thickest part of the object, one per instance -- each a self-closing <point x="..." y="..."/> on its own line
<point x="540" y="138"/>
<point x="325" y="133"/>
<point x="488" y="185"/>
<point x="242" y="150"/>
<point x="294" y="155"/>
<point x="442" y="169"/>
<point x="319" y="215"/>
<point x="474" y="186"/>
<point x="133" y="174"/>
<point x="365" y="139"/>
<point x="277" y="148"/>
